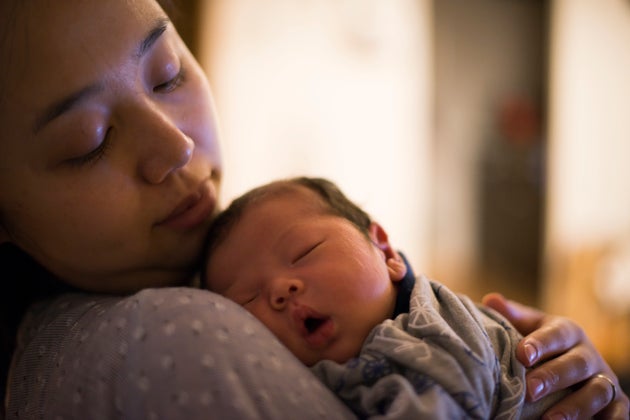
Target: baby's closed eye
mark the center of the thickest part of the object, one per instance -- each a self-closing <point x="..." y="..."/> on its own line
<point x="251" y="298"/>
<point x="306" y="251"/>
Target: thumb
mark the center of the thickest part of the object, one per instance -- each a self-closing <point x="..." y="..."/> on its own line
<point x="524" y="318"/>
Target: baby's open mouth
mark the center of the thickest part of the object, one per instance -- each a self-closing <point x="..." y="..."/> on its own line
<point x="315" y="327"/>
<point x="312" y="324"/>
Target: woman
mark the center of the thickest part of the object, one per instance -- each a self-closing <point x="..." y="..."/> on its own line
<point x="109" y="173"/>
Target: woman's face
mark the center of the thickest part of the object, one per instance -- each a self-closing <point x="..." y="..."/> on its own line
<point x="109" y="159"/>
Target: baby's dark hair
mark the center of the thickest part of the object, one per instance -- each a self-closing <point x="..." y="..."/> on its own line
<point x="334" y="201"/>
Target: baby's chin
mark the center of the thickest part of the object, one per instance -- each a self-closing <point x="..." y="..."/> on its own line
<point x="340" y="355"/>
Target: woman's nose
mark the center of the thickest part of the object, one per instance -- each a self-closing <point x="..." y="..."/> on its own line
<point x="164" y="148"/>
<point x="283" y="290"/>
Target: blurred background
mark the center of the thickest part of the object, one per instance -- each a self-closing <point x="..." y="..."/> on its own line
<point x="490" y="138"/>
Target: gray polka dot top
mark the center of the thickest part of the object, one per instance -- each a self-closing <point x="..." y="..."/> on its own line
<point x="168" y="353"/>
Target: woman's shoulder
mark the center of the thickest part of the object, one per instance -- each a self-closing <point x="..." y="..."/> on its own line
<point x="178" y="352"/>
<point x="87" y="310"/>
<point x="101" y="324"/>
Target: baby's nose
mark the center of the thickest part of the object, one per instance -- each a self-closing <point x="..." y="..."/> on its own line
<point x="283" y="290"/>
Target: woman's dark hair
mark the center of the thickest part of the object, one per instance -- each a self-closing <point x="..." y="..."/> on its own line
<point x="24" y="281"/>
<point x="333" y="199"/>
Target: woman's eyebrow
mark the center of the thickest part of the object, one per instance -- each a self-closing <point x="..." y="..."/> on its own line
<point x="65" y="104"/>
<point x="152" y="37"/>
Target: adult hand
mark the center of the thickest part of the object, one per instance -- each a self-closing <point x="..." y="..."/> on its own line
<point x="562" y="356"/>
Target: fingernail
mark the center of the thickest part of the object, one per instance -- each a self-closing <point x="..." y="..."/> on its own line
<point x="557" y="417"/>
<point x="531" y="353"/>
<point x="535" y="387"/>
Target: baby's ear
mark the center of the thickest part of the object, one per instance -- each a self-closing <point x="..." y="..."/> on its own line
<point x="395" y="265"/>
<point x="396" y="268"/>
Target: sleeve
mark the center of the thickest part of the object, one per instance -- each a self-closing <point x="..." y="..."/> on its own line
<point x="394" y="395"/>
<point x="174" y="353"/>
<point x="436" y="361"/>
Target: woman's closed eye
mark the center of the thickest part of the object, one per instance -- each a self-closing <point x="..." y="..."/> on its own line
<point x="99" y="152"/>
<point x="172" y="83"/>
<point x="96" y="154"/>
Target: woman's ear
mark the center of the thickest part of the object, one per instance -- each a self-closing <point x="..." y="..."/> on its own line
<point x="395" y="265"/>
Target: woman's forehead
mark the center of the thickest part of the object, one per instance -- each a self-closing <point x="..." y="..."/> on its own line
<point x="53" y="48"/>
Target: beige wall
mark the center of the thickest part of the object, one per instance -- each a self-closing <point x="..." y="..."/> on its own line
<point x="335" y="88"/>
<point x="588" y="234"/>
<point x="485" y="51"/>
<point x="590" y="121"/>
<point x="344" y="89"/>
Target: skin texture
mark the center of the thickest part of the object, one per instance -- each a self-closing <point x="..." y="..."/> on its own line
<point x="560" y="361"/>
<point x="304" y="263"/>
<point x="93" y="213"/>
<point x="86" y="189"/>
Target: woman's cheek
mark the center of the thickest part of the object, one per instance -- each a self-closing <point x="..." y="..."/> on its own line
<point x="199" y="116"/>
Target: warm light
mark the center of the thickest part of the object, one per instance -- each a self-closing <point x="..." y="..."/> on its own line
<point x="339" y="89"/>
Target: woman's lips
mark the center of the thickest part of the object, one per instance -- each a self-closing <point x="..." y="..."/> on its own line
<point x="193" y="210"/>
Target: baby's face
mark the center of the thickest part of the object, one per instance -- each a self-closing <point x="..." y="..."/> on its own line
<point x="312" y="278"/>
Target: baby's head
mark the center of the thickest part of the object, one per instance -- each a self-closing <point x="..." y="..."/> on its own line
<point x="307" y="262"/>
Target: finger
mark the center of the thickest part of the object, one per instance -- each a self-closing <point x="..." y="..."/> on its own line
<point x="587" y="401"/>
<point x="618" y="409"/>
<point x="568" y="369"/>
<point x="557" y="335"/>
<point x="549" y="336"/>
<point x="545" y="336"/>
<point x="526" y="319"/>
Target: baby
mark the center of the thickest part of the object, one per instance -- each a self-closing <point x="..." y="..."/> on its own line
<point x="323" y="277"/>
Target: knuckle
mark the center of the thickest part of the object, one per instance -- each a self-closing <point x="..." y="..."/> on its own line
<point x="568" y="324"/>
<point x="603" y="388"/>
<point x="581" y="364"/>
<point x="568" y="411"/>
<point x="550" y="378"/>
<point x="565" y="330"/>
